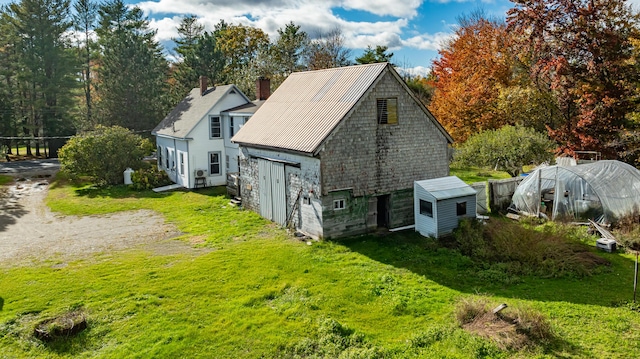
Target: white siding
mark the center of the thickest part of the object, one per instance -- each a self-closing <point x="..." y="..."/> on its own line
<point x="427" y="226"/>
<point x="201" y="145"/>
<point x="445" y="218"/>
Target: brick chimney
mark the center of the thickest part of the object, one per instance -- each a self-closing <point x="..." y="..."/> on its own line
<point x="203" y="85"/>
<point x="263" y="88"/>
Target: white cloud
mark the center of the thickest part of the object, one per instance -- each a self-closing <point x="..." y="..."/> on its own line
<point x="406" y="8"/>
<point x="314" y="17"/>
<point x="414" y="71"/>
<point x="428" y="41"/>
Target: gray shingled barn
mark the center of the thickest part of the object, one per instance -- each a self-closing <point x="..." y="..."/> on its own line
<point x="335" y="152"/>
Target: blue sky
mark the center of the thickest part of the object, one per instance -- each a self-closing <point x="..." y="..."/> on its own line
<point x="414" y="30"/>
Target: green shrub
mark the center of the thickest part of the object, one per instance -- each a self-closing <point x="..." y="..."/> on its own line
<point x="104" y="154"/>
<point x="149" y="178"/>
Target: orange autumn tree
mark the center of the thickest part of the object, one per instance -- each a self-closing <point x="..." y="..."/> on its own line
<point x="469" y="76"/>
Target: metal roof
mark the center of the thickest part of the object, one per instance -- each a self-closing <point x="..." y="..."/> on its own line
<point x="446" y="187"/>
<point x="188" y="113"/>
<point x="307" y="106"/>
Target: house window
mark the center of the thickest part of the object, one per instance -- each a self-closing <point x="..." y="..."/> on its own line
<point x="426" y="208"/>
<point x="216" y="129"/>
<point x="231" y="132"/>
<point x="387" y="110"/>
<point x="338" y="204"/>
<point x="166" y="155"/>
<point x="182" y="163"/>
<point x="159" y="152"/>
<point x="226" y="161"/>
<point x="461" y="208"/>
<point x="214" y="163"/>
<point x="306" y="200"/>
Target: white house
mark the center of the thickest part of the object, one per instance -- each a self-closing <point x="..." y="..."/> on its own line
<point x="193" y="144"/>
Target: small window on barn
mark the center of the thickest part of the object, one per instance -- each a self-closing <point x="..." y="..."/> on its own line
<point x="306" y="200"/>
<point x="338" y="204"/>
<point x="426" y="208"/>
<point x="461" y="208"/>
<point x="387" y="110"/>
<point x="216" y="127"/>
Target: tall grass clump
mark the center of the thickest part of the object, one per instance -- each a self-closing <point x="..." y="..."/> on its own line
<point x="331" y="340"/>
<point x="510" y="329"/>
<point x="546" y="251"/>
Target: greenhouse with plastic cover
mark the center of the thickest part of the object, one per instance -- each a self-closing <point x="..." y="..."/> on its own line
<point x="603" y="191"/>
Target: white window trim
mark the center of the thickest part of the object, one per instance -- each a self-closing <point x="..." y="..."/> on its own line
<point x="219" y="163"/>
<point x="339" y="204"/>
<point x="220" y="128"/>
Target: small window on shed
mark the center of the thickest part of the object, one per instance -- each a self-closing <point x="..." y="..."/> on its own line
<point x="461" y="208"/>
<point x="426" y="208"/>
<point x="338" y="204"/>
<point x="387" y="110"/>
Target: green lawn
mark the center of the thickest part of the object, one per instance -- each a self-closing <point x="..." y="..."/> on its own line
<point x="258" y="293"/>
<point x="475" y="174"/>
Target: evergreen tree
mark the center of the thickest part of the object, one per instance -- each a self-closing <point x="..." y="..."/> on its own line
<point x="371" y="55"/>
<point x="46" y="75"/>
<point x="132" y="71"/>
<point x="200" y="56"/>
<point x="84" y="21"/>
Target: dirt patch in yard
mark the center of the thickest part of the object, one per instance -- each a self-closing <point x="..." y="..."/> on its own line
<point x="30" y="232"/>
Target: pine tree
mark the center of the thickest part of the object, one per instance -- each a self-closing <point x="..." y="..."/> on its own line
<point x="132" y="71"/>
<point x="84" y="21"/>
<point x="45" y="79"/>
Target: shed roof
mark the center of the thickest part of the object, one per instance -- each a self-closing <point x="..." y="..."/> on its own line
<point x="307" y="107"/>
<point x="188" y="113"/>
<point x="446" y="187"/>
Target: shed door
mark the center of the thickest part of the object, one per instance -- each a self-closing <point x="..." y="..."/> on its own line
<point x="272" y="191"/>
<point x="278" y="195"/>
<point x="264" y="171"/>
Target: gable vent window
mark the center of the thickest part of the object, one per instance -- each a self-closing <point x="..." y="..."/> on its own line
<point x="387" y="110"/>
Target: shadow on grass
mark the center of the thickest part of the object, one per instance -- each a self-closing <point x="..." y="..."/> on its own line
<point x="10" y="212"/>
<point x="122" y="191"/>
<point x="427" y="257"/>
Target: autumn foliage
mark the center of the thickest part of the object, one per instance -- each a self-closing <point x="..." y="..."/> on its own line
<point x="567" y="67"/>
<point x="580" y="52"/>
<point x="469" y="74"/>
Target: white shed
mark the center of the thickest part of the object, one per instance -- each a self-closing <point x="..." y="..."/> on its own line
<point x="440" y="203"/>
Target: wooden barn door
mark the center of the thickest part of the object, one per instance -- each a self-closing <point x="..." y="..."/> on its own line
<point x="272" y="191"/>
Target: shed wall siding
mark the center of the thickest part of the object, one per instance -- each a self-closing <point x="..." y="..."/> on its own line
<point x="447" y="216"/>
<point x="299" y="183"/>
<point x="381" y="159"/>
<point x="427" y="226"/>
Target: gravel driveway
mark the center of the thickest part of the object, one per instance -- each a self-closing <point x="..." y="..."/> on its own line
<point x="30" y="232"/>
